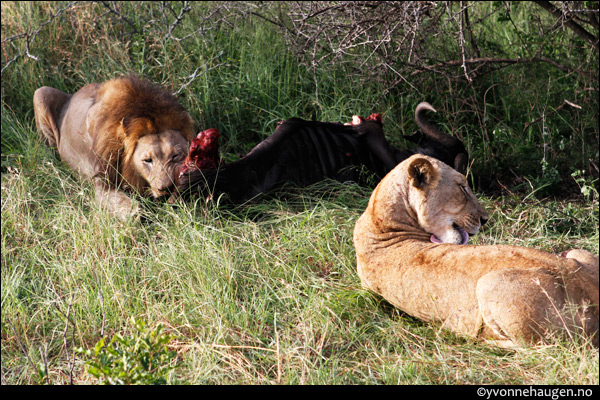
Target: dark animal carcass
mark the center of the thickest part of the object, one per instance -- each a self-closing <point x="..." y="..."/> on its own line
<point x="304" y="152"/>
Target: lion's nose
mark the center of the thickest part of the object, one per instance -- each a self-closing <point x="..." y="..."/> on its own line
<point x="164" y="188"/>
<point x="483" y="220"/>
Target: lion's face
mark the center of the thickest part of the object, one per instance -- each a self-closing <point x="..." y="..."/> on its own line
<point x="445" y="205"/>
<point x="157" y="158"/>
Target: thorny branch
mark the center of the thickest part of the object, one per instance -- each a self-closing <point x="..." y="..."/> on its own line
<point x="151" y="20"/>
<point x="186" y="8"/>
<point x="401" y="37"/>
<point x="31" y="35"/>
<point x="568" y="18"/>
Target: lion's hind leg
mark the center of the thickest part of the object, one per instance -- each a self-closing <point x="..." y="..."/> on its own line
<point x="48" y="104"/>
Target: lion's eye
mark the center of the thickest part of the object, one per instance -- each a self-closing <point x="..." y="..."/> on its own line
<point x="147" y="161"/>
<point x="176" y="156"/>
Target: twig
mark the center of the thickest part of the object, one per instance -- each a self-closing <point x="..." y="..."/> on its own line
<point x="118" y="14"/>
<point x="595" y="166"/>
<point x="101" y="298"/>
<point x="565" y="102"/>
<point x="461" y="41"/>
<point x="468" y="26"/>
<point x="70" y="361"/>
<point x="195" y="74"/>
<point x="269" y="20"/>
<point x="484" y="60"/>
<point x="21" y="345"/>
<point x="277" y="353"/>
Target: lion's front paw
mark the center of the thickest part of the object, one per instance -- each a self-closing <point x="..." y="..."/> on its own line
<point x="117" y="203"/>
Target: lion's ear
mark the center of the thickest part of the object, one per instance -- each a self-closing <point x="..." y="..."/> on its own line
<point x="135" y="128"/>
<point x="130" y="130"/>
<point x="421" y="173"/>
<point x="122" y="129"/>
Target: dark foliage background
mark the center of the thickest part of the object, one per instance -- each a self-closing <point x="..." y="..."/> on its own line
<point x="516" y="81"/>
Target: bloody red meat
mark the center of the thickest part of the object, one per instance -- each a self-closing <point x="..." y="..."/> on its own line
<point x="204" y="151"/>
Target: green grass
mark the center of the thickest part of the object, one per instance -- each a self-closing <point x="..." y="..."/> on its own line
<point x="261" y="293"/>
<point x="267" y="292"/>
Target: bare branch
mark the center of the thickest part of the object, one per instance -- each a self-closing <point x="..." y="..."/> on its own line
<point x="186" y="8"/>
<point x="567" y="19"/>
<point x="196" y="73"/>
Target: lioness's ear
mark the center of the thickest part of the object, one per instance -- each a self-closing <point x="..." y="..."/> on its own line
<point x="421" y="173"/>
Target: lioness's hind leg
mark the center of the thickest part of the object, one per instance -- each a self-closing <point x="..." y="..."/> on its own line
<point x="48" y="104"/>
<point x="521" y="306"/>
<point x="589" y="260"/>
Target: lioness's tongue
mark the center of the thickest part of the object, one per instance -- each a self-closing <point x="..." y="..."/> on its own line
<point x="463" y="234"/>
<point x="435" y="239"/>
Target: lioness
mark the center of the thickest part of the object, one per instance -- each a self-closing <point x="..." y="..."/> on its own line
<point x="410" y="249"/>
<point x="125" y="134"/>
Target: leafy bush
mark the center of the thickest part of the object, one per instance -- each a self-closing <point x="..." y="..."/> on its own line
<point x="142" y="359"/>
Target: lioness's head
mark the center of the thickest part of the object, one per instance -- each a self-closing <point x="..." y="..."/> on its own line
<point x="443" y="203"/>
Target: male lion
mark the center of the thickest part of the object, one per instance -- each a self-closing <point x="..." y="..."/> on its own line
<point x="408" y="250"/>
<point x="125" y="134"/>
